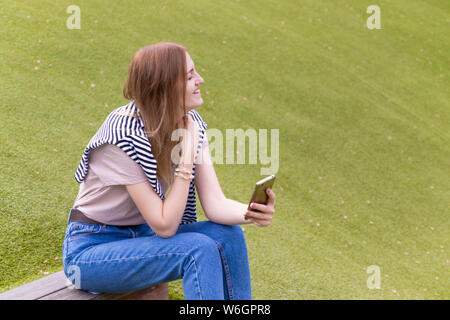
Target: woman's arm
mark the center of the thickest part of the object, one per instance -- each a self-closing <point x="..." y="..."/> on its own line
<point x="165" y="216"/>
<point x="216" y="206"/>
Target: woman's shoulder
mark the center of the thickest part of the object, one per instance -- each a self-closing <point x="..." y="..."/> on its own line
<point x="120" y="124"/>
<point x="114" y="166"/>
<point x="112" y="151"/>
<point x="110" y="155"/>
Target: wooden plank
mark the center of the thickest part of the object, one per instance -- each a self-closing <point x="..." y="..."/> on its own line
<point x="37" y="289"/>
<point x="69" y="294"/>
<point x="157" y="292"/>
<point x="54" y="287"/>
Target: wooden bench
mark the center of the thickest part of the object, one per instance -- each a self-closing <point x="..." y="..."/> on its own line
<point x="55" y="287"/>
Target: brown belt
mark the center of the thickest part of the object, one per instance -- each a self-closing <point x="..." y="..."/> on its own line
<point x="78" y="216"/>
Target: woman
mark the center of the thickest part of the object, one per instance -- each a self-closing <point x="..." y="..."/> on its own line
<point x="124" y="234"/>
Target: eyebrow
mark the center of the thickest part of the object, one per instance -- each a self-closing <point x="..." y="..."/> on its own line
<point x="191" y="70"/>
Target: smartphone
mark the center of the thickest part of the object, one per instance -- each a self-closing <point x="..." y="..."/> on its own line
<point x="259" y="193"/>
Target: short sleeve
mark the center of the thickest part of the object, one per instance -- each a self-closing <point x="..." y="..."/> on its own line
<point x="114" y="167"/>
<point x="205" y="141"/>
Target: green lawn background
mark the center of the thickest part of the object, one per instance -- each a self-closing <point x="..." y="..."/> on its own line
<point x="363" y="118"/>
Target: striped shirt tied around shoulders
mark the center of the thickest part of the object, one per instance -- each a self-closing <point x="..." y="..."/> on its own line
<point x="124" y="128"/>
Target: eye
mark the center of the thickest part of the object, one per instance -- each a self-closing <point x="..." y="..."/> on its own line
<point x="190" y="77"/>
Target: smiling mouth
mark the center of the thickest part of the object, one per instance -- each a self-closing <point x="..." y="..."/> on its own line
<point x="197" y="91"/>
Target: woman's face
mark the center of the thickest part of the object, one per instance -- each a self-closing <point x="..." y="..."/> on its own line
<point x="193" y="96"/>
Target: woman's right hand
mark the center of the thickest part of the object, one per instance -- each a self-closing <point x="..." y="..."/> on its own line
<point x="190" y="140"/>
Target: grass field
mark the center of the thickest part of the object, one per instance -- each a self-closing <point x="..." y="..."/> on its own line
<point x="363" y="118"/>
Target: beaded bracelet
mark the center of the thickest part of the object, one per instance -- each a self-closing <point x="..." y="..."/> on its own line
<point x="183" y="176"/>
<point x="183" y="170"/>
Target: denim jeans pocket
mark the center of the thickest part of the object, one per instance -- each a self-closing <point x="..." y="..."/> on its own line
<point x="77" y="238"/>
<point x="77" y="230"/>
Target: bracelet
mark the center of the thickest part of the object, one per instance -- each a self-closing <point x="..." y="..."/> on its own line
<point x="183" y="176"/>
<point x="183" y="170"/>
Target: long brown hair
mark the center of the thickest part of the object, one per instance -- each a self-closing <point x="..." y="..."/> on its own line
<point x="156" y="81"/>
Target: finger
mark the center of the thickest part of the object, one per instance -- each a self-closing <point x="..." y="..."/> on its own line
<point x="271" y="194"/>
<point x="253" y="221"/>
<point x="259" y="223"/>
<point x="262" y="207"/>
<point x="259" y="216"/>
<point x="258" y="206"/>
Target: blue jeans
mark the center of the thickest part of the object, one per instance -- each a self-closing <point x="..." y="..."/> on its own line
<point x="210" y="258"/>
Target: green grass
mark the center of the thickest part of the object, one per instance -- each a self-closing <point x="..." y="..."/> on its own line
<point x="363" y="118"/>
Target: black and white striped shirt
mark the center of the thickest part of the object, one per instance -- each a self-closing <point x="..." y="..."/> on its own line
<point x="124" y="128"/>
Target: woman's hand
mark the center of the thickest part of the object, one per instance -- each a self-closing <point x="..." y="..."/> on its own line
<point x="263" y="218"/>
<point x="193" y="131"/>
<point x="190" y="141"/>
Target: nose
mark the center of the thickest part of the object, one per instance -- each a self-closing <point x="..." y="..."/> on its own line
<point x="200" y="80"/>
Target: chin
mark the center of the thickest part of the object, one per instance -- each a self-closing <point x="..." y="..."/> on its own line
<point x="194" y="106"/>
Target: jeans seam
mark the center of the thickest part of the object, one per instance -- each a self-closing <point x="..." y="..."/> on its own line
<point x="130" y="258"/>
<point x="196" y="278"/>
<point x="226" y="271"/>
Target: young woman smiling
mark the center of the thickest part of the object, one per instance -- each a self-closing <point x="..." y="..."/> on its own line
<point x="124" y="234"/>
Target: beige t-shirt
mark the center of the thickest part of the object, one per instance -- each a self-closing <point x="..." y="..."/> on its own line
<point x="103" y="196"/>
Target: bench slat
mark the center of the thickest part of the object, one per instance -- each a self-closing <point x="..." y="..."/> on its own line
<point x="37" y="289"/>
<point x="54" y="287"/>
<point x="157" y="292"/>
<point x="69" y="294"/>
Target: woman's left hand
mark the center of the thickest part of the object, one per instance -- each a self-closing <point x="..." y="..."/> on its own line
<point x="263" y="218"/>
